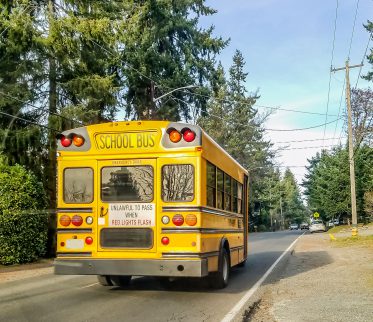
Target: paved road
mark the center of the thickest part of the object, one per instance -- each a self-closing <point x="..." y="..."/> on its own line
<point x="80" y="298"/>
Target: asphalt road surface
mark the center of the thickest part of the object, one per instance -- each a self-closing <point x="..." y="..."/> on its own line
<point x="81" y="298"/>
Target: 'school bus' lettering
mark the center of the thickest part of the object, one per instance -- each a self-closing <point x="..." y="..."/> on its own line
<point x="125" y="141"/>
<point x="133" y="200"/>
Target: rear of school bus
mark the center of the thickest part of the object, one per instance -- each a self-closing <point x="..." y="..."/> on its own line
<point x="129" y="197"/>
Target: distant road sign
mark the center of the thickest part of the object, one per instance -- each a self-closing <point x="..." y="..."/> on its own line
<point x="316" y="215"/>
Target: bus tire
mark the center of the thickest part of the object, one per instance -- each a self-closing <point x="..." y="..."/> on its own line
<point x="104" y="280"/>
<point x="121" y="280"/>
<point x="220" y="278"/>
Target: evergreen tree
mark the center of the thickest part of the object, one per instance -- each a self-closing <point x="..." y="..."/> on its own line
<point x="164" y="49"/>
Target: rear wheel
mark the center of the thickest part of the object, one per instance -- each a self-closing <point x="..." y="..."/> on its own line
<point x="104" y="280"/>
<point x="220" y="278"/>
<point x="120" y="280"/>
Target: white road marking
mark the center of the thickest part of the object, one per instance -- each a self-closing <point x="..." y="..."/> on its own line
<point x="237" y="308"/>
<point x="89" y="285"/>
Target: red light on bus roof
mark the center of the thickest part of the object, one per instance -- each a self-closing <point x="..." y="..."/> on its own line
<point x="65" y="141"/>
<point x="188" y="135"/>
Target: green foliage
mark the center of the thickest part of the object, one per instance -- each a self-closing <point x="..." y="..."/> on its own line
<point x="327" y="184"/>
<point x="23" y="224"/>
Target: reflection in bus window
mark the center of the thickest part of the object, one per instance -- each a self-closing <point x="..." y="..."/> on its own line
<point x="78" y="185"/>
<point x="178" y="182"/>
<point x="133" y="183"/>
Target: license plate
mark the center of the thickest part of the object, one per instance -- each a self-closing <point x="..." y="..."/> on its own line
<point x="75" y="243"/>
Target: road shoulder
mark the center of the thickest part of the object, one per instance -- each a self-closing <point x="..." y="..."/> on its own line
<point x="318" y="280"/>
<point x="18" y="272"/>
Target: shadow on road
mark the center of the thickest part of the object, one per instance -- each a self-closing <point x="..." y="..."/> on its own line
<point x="241" y="279"/>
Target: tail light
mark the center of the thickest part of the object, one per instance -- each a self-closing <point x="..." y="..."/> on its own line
<point x="77" y="220"/>
<point x="165" y="240"/>
<point x="65" y="220"/>
<point x="191" y="220"/>
<point x="188" y="135"/>
<point x="165" y="220"/>
<point x="178" y="220"/>
<point x="174" y="135"/>
<point x="89" y="240"/>
<point x="78" y="140"/>
<point x="65" y="141"/>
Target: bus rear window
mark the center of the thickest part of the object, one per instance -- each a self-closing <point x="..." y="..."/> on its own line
<point x="78" y="185"/>
<point x="133" y="183"/>
<point x="178" y="182"/>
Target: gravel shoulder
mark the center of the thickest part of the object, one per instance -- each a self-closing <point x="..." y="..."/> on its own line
<point x="18" y="272"/>
<point x="319" y="280"/>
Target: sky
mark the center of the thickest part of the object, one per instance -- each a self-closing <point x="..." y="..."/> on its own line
<point x="287" y="46"/>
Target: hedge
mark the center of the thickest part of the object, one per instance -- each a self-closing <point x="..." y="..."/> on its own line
<point x="23" y="222"/>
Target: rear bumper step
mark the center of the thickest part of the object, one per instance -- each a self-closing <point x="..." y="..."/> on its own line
<point x="140" y="267"/>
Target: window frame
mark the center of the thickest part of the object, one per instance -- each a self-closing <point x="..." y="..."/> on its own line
<point x="92" y="182"/>
<point x="194" y="184"/>
<point x="126" y="201"/>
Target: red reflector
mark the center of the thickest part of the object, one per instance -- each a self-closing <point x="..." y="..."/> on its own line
<point x="89" y="240"/>
<point x="66" y="142"/>
<point x="65" y="220"/>
<point x="77" y="220"/>
<point x="165" y="240"/>
<point x="189" y="135"/>
<point x="178" y="220"/>
<point x="62" y="244"/>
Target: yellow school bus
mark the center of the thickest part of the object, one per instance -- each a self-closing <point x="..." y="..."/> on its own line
<point x="149" y="198"/>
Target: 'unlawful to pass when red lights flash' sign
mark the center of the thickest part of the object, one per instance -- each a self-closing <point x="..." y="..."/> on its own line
<point x="132" y="215"/>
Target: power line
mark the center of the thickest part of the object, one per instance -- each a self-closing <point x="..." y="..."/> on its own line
<point x="362" y="60"/>
<point x="331" y="66"/>
<point x="40" y="107"/>
<point x="309" y="147"/>
<point x="269" y="129"/>
<point x="298" y="141"/>
<point x="29" y="121"/>
<point x="353" y="29"/>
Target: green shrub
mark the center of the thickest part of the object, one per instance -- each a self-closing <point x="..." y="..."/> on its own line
<point x="262" y="228"/>
<point x="23" y="223"/>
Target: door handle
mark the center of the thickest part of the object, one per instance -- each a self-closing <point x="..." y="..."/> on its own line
<point x="103" y="212"/>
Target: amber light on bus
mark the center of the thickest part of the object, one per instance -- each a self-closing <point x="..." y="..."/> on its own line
<point x="65" y="220"/>
<point x="174" y="136"/>
<point x="78" y="140"/>
<point x="191" y="220"/>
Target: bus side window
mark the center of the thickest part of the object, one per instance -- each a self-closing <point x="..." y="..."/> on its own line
<point x="211" y="185"/>
<point x="220" y="188"/>
<point x="227" y="192"/>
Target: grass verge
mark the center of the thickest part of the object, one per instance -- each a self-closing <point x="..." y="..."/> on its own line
<point x="365" y="241"/>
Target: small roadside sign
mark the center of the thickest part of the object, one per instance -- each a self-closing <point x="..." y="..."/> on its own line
<point x="316" y="215"/>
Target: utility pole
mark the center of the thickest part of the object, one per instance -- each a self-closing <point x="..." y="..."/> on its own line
<point x="350" y="144"/>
